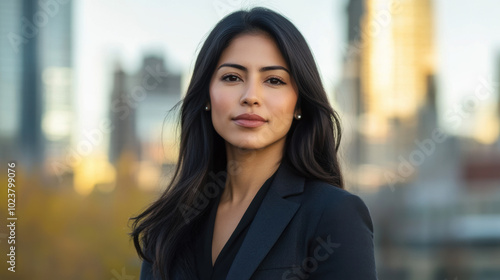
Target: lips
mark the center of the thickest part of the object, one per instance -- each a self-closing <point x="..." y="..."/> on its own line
<point x="249" y="120"/>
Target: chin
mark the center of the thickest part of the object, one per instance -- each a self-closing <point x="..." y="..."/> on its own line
<point x="247" y="146"/>
<point x="246" y="143"/>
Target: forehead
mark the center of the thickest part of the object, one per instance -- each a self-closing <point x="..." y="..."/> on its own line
<point x="253" y="48"/>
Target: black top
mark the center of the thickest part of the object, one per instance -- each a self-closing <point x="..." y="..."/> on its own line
<point x="339" y="235"/>
<point x="203" y="245"/>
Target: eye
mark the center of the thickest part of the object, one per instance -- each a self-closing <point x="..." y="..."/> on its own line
<point x="231" y="78"/>
<point x="276" y="81"/>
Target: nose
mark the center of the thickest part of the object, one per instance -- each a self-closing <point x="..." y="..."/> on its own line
<point x="252" y="93"/>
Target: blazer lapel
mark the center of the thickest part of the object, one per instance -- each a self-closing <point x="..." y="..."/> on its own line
<point x="273" y="216"/>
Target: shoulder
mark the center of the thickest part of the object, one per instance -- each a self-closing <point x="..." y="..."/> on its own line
<point x="338" y="231"/>
<point x="320" y="189"/>
<point x="343" y="224"/>
<point x="327" y="195"/>
<point x="336" y="204"/>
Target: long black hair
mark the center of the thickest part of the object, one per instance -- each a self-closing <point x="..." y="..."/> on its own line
<point x="162" y="233"/>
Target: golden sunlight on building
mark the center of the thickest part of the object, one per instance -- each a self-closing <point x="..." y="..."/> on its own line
<point x="488" y="132"/>
<point x="94" y="171"/>
<point x="397" y="58"/>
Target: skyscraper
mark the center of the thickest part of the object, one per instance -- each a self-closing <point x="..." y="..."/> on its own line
<point x="36" y="83"/>
<point x="398" y="57"/>
<point x="153" y="119"/>
<point x="142" y="140"/>
<point x="388" y="83"/>
<point x="348" y="93"/>
<point x="10" y="78"/>
<point x="123" y="137"/>
<point x="57" y="78"/>
<point x="30" y="135"/>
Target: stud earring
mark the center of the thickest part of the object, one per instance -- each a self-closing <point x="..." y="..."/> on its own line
<point x="207" y="108"/>
<point x="298" y="117"/>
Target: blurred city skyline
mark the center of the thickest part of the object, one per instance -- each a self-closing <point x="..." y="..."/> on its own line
<point x="80" y="44"/>
<point x="466" y="44"/>
<point x="86" y="87"/>
<point x="466" y="47"/>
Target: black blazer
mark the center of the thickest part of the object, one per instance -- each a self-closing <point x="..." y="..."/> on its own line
<point x="304" y="229"/>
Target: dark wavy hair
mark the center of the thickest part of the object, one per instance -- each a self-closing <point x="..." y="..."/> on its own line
<point x="162" y="233"/>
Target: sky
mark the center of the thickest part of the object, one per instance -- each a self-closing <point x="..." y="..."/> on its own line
<point x="468" y="57"/>
<point x="123" y="31"/>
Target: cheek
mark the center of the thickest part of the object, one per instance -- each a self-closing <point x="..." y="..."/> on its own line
<point x="220" y="103"/>
<point x="283" y="108"/>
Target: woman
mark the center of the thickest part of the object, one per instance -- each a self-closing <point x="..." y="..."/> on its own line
<point x="257" y="193"/>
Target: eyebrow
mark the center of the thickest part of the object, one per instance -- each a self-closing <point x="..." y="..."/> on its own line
<point x="263" y="69"/>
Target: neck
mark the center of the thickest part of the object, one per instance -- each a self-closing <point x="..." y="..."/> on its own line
<point x="248" y="170"/>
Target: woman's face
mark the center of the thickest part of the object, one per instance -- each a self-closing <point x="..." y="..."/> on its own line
<point x="252" y="94"/>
